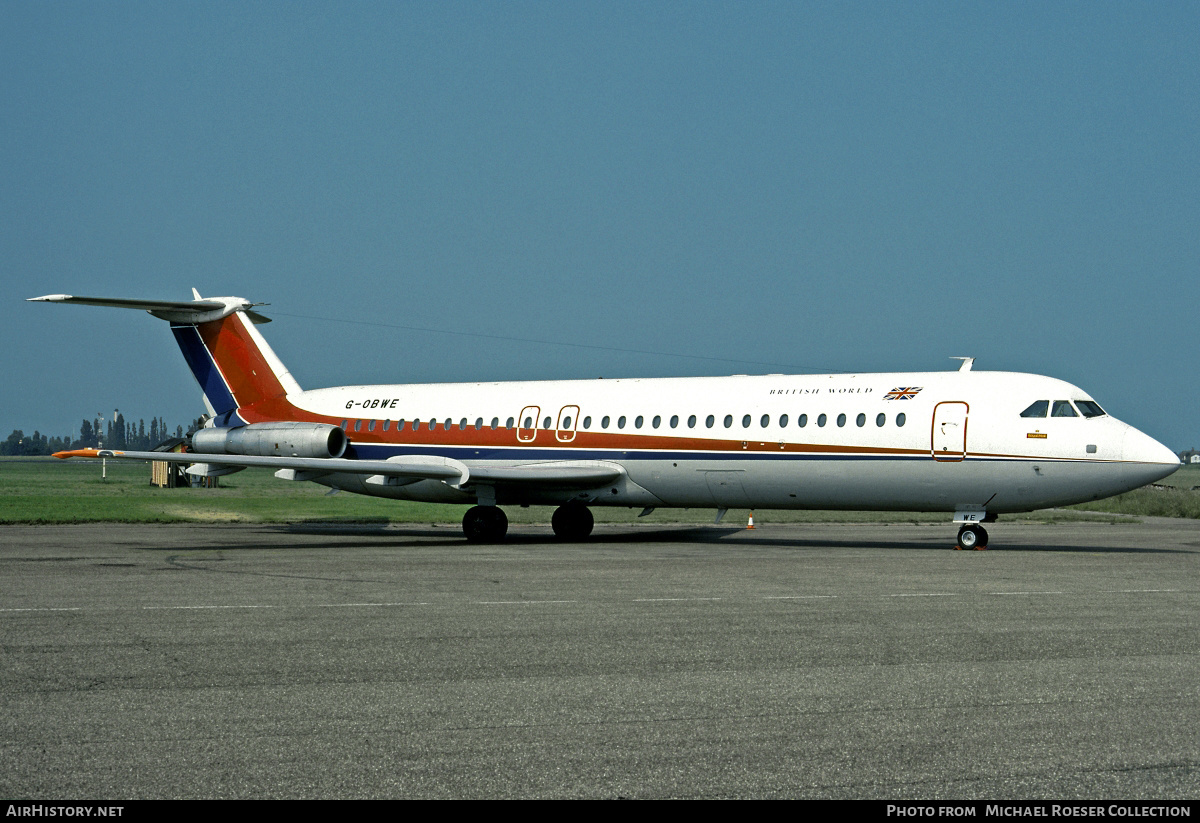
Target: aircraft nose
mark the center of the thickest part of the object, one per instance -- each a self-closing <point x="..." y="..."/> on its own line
<point x="1139" y="447"/>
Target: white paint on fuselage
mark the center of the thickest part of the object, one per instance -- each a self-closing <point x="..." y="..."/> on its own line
<point x="848" y="466"/>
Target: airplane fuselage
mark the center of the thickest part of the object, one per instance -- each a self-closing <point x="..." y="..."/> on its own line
<point x="921" y="442"/>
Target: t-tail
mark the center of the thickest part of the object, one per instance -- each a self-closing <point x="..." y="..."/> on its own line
<point x="242" y="379"/>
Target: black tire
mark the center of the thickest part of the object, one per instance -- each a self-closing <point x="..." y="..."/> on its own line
<point x="972" y="537"/>
<point x="484" y="524"/>
<point x="572" y="522"/>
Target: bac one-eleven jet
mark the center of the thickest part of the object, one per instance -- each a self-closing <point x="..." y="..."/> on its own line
<point x="974" y="444"/>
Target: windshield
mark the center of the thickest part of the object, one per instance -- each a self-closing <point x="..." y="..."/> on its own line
<point x="1089" y="408"/>
<point x="1037" y="409"/>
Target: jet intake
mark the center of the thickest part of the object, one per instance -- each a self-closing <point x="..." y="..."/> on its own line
<point x="273" y="440"/>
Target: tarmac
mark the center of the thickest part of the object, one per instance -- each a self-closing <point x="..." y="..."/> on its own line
<point x="844" y="661"/>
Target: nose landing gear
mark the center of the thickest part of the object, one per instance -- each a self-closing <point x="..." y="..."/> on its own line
<point x="972" y="536"/>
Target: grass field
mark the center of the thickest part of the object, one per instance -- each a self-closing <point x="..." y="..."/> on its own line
<point x="45" y="490"/>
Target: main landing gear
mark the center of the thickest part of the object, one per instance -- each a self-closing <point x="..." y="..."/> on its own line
<point x="572" y="522"/>
<point x="485" y="524"/>
<point x="972" y="536"/>
<point x="489" y="524"/>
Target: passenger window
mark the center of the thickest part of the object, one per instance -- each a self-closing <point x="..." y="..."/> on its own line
<point x="462" y="424"/>
<point x="637" y="422"/>
<point x="880" y="419"/>
<point x="783" y="421"/>
<point x="371" y="426"/>
<point x="495" y="423"/>
<point x="509" y="424"/>
<point x="587" y="422"/>
<point x="656" y="421"/>
<point x="416" y="425"/>
<point x="478" y="423"/>
<point x="566" y="423"/>
<point x="1037" y="409"/>
<point x="900" y="418"/>
<point x="728" y="420"/>
<point x="821" y="420"/>
<point x="1063" y="408"/>
<point x="604" y="422"/>
<point x="449" y="423"/>
<point x="346" y="425"/>
<point x="674" y="421"/>
<point x="765" y="421"/>
<point x="860" y="421"/>
<point x="841" y="420"/>
<point x="400" y="424"/>
<point x="357" y="425"/>
<point x="1089" y="408"/>
<point x="692" y="421"/>
<point x="708" y="421"/>
<point x="802" y="420"/>
<point x="546" y="423"/>
<point x="745" y="421"/>
<point x="621" y="422"/>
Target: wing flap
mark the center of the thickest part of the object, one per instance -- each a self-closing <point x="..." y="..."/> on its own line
<point x="547" y="475"/>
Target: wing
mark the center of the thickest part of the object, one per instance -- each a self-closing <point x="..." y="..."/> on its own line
<point x="397" y="471"/>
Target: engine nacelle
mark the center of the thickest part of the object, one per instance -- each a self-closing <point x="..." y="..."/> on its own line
<point x="273" y="440"/>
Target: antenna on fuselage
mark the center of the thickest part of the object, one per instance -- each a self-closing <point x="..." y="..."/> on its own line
<point x="967" y="362"/>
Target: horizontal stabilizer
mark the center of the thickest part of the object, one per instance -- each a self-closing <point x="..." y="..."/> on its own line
<point x="200" y="310"/>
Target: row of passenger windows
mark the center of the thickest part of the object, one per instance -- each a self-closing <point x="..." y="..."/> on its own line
<point x="606" y="422"/>
<point x="1063" y="408"/>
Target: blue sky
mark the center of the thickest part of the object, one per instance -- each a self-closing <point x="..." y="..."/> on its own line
<point x="787" y="186"/>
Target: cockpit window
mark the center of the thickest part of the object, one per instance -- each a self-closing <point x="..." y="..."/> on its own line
<point x="1063" y="408"/>
<point x="1037" y="409"/>
<point x="1089" y="408"/>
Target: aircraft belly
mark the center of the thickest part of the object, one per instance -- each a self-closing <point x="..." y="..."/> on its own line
<point x="895" y="485"/>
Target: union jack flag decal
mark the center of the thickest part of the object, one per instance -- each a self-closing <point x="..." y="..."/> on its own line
<point x="903" y="393"/>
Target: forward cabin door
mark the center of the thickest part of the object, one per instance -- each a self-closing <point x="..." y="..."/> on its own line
<point x="948" y="441"/>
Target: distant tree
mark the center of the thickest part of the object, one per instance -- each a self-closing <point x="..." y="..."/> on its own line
<point x="12" y="445"/>
<point x="87" y="435"/>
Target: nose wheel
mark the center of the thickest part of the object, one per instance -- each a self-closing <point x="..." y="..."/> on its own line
<point x="971" y="537"/>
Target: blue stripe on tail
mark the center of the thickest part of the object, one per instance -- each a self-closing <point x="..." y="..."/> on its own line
<point x="204" y="368"/>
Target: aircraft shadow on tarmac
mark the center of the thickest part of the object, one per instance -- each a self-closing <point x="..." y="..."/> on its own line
<point x="533" y="536"/>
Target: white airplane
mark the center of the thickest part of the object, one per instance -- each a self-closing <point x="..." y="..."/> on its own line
<point x="972" y="443"/>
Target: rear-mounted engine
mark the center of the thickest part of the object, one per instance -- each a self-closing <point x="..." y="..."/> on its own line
<point x="273" y="440"/>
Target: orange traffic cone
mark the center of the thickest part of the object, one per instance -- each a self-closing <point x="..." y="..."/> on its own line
<point x="750" y="525"/>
